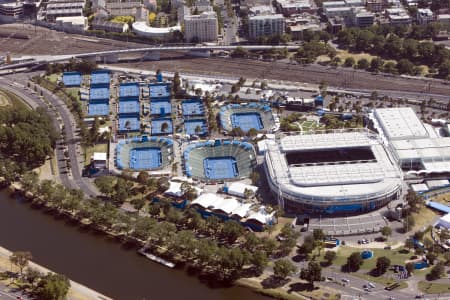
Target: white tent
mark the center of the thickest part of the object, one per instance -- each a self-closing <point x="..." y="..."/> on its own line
<point x="445" y="221"/>
<point x="238" y="189"/>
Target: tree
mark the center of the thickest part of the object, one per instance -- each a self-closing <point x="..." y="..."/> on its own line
<point x="53" y="287"/>
<point x="330" y="256"/>
<point x="431" y="257"/>
<point x="409" y="267"/>
<point x="349" y="62"/>
<point x="30" y="181"/>
<point x="143" y="177"/>
<point x="254" y="176"/>
<point x="20" y="259"/>
<point x="383" y="263"/>
<point x="409" y="243"/>
<point x="386" y="231"/>
<point x="404" y="66"/>
<point x="444" y="69"/>
<point x="164" y="127"/>
<point x="308" y="245"/>
<point x="105" y="184"/>
<point x="32" y="275"/>
<point x="259" y="260"/>
<point x="312" y="273"/>
<point x="437" y="271"/>
<point x="414" y="201"/>
<point x="283" y="268"/>
<point x="354" y="262"/>
<point x="408" y="223"/>
<point x="318" y="235"/>
<point x="363" y="64"/>
<point x="252" y="132"/>
<point x="376" y="64"/>
<point x="231" y="230"/>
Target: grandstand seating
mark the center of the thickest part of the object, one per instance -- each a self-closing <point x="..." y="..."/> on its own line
<point x="229" y="116"/>
<point x="144" y="153"/>
<point x="237" y="159"/>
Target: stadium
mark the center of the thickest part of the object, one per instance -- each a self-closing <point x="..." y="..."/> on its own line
<point x="252" y="115"/>
<point x="219" y="160"/>
<point x="339" y="173"/>
<point x="144" y="153"/>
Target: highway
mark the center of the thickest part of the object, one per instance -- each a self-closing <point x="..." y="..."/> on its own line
<point x="17" y="83"/>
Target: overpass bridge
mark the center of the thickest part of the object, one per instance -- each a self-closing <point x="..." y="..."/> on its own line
<point x="149" y="53"/>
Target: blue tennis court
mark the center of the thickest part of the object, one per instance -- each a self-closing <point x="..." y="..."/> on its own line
<point x="160" y="108"/>
<point x="128" y="90"/>
<point x="220" y="167"/>
<point x="72" y="79"/>
<point x="246" y="121"/>
<point x="130" y="123"/>
<point x="157" y="125"/>
<point x="99" y="93"/>
<point x="145" y="158"/>
<point x="191" y="125"/>
<point x="128" y="107"/>
<point x="193" y="107"/>
<point x="101" y="77"/>
<point x="98" y="109"/>
<point x="159" y="90"/>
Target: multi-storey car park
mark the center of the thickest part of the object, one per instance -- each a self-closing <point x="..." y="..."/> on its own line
<point x="343" y="172"/>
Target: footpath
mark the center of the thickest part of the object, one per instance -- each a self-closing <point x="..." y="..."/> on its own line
<point x="77" y="291"/>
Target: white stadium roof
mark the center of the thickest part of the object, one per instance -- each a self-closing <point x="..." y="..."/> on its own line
<point x="328" y="181"/>
<point x="230" y="205"/>
<point x="325" y="141"/>
<point x="400" y="123"/>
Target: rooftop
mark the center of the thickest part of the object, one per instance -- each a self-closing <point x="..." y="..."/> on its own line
<point x="400" y="123"/>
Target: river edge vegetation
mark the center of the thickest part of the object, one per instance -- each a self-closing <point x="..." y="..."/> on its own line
<point x="32" y="282"/>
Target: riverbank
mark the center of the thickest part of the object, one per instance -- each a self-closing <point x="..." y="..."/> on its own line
<point x="77" y="291"/>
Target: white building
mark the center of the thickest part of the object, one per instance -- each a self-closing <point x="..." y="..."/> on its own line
<point x="56" y="8"/>
<point x="72" y="24"/>
<point x="265" y="25"/>
<point x="109" y="26"/>
<point x="10" y="11"/>
<point x="99" y="160"/>
<point x="414" y="147"/>
<point x="202" y="27"/>
<point x="424" y="16"/>
<point x="398" y="16"/>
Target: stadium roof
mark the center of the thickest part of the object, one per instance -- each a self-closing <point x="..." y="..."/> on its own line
<point x="229" y="206"/>
<point x="331" y="181"/>
<point x="325" y="141"/>
<point x="400" y="123"/>
<point x="437" y="148"/>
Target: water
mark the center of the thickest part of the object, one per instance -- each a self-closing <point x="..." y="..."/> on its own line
<point x="97" y="262"/>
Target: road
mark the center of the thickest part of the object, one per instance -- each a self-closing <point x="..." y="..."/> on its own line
<point x="17" y="83"/>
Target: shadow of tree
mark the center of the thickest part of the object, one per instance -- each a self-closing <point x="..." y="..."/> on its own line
<point x="273" y="282"/>
<point x="301" y="286"/>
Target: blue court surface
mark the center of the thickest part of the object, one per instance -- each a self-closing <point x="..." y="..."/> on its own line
<point x="246" y="121"/>
<point x="101" y="77"/>
<point x="98" y="109"/>
<point x="72" y="79"/>
<point x="127" y="90"/>
<point x="220" y="167"/>
<point x="157" y="126"/>
<point x="145" y="158"/>
<point x="191" y="125"/>
<point x="128" y="107"/>
<point x="160" y="108"/>
<point x="99" y="93"/>
<point x="193" y="107"/>
<point x="159" y="90"/>
<point x="129" y="123"/>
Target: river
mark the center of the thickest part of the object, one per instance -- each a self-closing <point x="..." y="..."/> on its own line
<point x="98" y="262"/>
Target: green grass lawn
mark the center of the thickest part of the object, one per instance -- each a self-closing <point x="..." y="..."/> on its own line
<point x="54" y="77"/>
<point x="13" y="99"/>
<point x="434" y="288"/>
<point x="394" y="255"/>
<point x="89" y="151"/>
<point x="73" y="92"/>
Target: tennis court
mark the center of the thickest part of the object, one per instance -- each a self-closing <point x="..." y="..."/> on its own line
<point x="157" y="126"/>
<point x="128" y="90"/>
<point x="191" y="125"/>
<point x="145" y="158"/>
<point x="246" y="121"/>
<point x="98" y="109"/>
<point x="128" y="107"/>
<point x="101" y="77"/>
<point x="99" y="93"/>
<point x="192" y="107"/>
<point x="130" y="123"/>
<point x="220" y="167"/>
<point x="160" y="107"/>
<point x="72" y="79"/>
<point x="159" y="90"/>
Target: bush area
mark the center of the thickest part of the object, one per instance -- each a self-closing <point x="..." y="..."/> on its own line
<point x="24" y="129"/>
